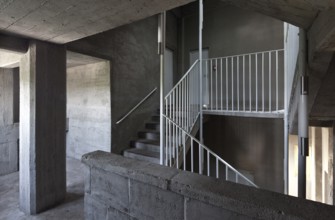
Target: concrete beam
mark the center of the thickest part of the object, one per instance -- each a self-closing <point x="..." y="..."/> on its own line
<point x="9" y="59"/>
<point x="42" y="127"/>
<point x="12" y="43"/>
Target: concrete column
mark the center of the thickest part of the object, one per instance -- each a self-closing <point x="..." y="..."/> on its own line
<point x="42" y="127"/>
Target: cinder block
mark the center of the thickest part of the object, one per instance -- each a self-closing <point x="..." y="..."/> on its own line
<point x="199" y="210"/>
<point x="150" y="202"/>
<point x="146" y="172"/>
<point x="111" y="188"/>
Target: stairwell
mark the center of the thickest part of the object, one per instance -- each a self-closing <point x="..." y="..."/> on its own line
<point x="146" y="147"/>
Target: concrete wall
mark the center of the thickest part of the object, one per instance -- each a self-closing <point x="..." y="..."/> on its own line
<point x="122" y="188"/>
<point x="132" y="50"/>
<point x="229" y="30"/>
<point x="88" y="109"/>
<point x="9" y="132"/>
<point x="253" y="145"/>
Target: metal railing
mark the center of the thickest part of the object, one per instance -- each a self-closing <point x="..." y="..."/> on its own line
<point x="250" y="82"/>
<point x="177" y="146"/>
<point x="136" y="106"/>
<point x="182" y="103"/>
<point x="181" y="113"/>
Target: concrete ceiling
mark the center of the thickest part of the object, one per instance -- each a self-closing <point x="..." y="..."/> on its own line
<point x="63" y="21"/>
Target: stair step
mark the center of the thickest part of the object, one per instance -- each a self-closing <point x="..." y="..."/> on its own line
<point x="149" y="134"/>
<point x="145" y="144"/>
<point x="152" y="126"/>
<point x="143" y="155"/>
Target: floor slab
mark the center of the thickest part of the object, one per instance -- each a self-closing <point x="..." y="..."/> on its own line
<point x="71" y="208"/>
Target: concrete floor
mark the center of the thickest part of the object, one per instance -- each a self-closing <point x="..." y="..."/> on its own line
<point x="71" y="208"/>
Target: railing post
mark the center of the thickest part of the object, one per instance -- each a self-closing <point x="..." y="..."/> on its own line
<point x="161" y="52"/>
<point x="201" y="77"/>
<point x="286" y="105"/>
<point x="303" y="117"/>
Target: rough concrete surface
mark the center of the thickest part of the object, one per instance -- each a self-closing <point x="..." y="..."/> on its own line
<point x="9" y="132"/>
<point x="132" y="50"/>
<point x="187" y="195"/>
<point x="63" y="21"/>
<point x="239" y="140"/>
<point x="71" y="208"/>
<point x="42" y="126"/>
<point x="88" y="109"/>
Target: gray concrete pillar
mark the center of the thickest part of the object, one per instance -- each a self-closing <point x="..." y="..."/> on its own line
<point x="42" y="127"/>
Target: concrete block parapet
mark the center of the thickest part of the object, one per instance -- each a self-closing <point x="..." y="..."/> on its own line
<point x="123" y="188"/>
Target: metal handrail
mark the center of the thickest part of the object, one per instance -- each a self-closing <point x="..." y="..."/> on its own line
<point x="188" y="71"/>
<point x="210" y="151"/>
<point x="246" y="54"/>
<point x="136" y="106"/>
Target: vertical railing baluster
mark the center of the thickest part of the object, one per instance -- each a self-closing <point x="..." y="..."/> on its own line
<point x="192" y="159"/>
<point x="227" y="107"/>
<point x="277" y="108"/>
<point x="236" y="177"/>
<point x="221" y="86"/>
<point x="166" y="134"/>
<point x="211" y="87"/>
<point x="250" y="82"/>
<point x="270" y="86"/>
<point x="227" y="177"/>
<point x="186" y="104"/>
<point x="256" y="72"/>
<point x="208" y="166"/>
<point x="216" y="84"/>
<point x="243" y="66"/>
<point x="238" y="82"/>
<point x="217" y="167"/>
<point x="200" y="160"/>
<point x="170" y="130"/>
<point x="232" y="83"/>
<point x="183" y="117"/>
<point x="263" y="104"/>
<point x="177" y="150"/>
<point x="184" y="150"/>
<point x="179" y="106"/>
<point x="205" y="88"/>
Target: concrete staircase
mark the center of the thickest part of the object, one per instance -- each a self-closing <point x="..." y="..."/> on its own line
<point x="146" y="147"/>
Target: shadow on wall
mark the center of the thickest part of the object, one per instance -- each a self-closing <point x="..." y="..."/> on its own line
<point x="252" y="145"/>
